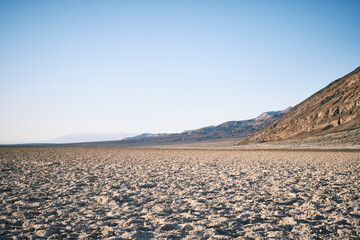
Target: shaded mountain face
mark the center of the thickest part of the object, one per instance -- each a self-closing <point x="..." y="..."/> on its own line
<point x="227" y="130"/>
<point x="333" y="109"/>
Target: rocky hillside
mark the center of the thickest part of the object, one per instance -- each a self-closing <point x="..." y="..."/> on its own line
<point x="334" y="108"/>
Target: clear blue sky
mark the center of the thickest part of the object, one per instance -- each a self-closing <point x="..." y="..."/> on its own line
<point x="164" y="66"/>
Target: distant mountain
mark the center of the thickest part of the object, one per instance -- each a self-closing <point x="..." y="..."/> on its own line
<point x="90" y="137"/>
<point x="227" y="130"/>
<point x="333" y="109"/>
<point x="234" y="129"/>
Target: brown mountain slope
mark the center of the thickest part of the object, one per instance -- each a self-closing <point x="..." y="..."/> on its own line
<point x="333" y="109"/>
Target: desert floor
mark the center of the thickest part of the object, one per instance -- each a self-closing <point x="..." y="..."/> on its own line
<point x="115" y="193"/>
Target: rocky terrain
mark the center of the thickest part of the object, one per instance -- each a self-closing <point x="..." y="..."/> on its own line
<point x="333" y="109"/>
<point x="117" y="193"/>
<point x="343" y="139"/>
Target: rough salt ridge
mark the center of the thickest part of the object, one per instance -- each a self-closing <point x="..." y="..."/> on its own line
<point x="114" y="193"/>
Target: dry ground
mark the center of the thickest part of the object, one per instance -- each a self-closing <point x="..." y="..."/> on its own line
<point x="115" y="193"/>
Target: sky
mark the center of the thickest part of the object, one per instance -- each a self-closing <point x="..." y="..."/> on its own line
<point x="69" y="67"/>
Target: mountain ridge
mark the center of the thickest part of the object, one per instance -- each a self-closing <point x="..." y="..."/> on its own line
<point x="227" y="130"/>
<point x="332" y="109"/>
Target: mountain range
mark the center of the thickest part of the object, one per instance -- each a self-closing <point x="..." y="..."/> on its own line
<point x="225" y="131"/>
<point x="331" y="115"/>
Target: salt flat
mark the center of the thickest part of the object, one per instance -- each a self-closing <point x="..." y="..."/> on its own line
<point x="119" y="193"/>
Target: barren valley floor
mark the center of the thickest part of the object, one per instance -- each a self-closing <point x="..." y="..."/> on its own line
<point x="124" y="193"/>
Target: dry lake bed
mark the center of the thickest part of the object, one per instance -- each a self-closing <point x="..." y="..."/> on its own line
<point x="119" y="193"/>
